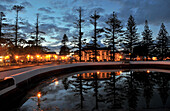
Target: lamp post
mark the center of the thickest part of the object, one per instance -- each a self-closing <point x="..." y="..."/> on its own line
<point x="16" y="58"/>
<point x="28" y="58"/>
<point x="39" y="96"/>
<point x="38" y="56"/>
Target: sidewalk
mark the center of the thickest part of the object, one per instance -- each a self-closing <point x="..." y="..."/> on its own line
<point x="6" y="68"/>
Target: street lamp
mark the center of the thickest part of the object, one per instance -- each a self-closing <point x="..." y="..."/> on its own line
<point x="16" y="57"/>
<point x="38" y="56"/>
<point x="39" y="96"/>
<point x="56" y="82"/>
<point x="28" y="57"/>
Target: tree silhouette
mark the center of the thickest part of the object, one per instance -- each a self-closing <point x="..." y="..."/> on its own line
<point x="78" y="86"/>
<point x="78" y="40"/>
<point x="132" y="91"/>
<point x="147" y="39"/>
<point x="2" y="17"/>
<point x="64" y="50"/>
<point x="37" y="34"/>
<point x="17" y="8"/>
<point x="3" y="40"/>
<point x="66" y="83"/>
<point x="162" y="44"/>
<point x="131" y="36"/>
<point x="162" y="80"/>
<point x="112" y="32"/>
<point x="114" y="92"/>
<point x="93" y="21"/>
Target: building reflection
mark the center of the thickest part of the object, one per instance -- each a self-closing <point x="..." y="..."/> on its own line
<point x="108" y="90"/>
<point x="98" y="75"/>
<point x="118" y="92"/>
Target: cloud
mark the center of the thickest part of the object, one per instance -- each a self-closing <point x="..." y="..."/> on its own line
<point x="97" y="9"/>
<point x="155" y="11"/>
<point x="46" y="9"/>
<point x="60" y="4"/>
<point x="52" y="29"/>
<point x="69" y="18"/>
<point x="9" y="1"/>
<point x="46" y="17"/>
<point x="26" y="4"/>
<point x="3" y="8"/>
<point x="27" y="28"/>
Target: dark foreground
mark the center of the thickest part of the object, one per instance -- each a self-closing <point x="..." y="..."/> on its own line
<point x="101" y="90"/>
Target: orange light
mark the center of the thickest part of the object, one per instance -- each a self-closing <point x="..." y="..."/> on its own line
<point x="120" y="72"/>
<point x="98" y="72"/>
<point x="38" y="56"/>
<point x="16" y="57"/>
<point x="62" y="57"/>
<point x="98" y="57"/>
<point x="39" y="94"/>
<point x="148" y="71"/>
<point x="6" y="57"/>
<point x="28" y="56"/>
<point x="1" y="60"/>
<point x="55" y="56"/>
<point x="120" y="57"/>
<point x="32" y="57"/>
<point x="56" y="82"/>
<point x="154" y="58"/>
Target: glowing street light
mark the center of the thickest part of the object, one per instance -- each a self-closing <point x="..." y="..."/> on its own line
<point x="62" y="58"/>
<point x="1" y="60"/>
<point x="55" y="56"/>
<point x="16" y="57"/>
<point x="39" y="94"/>
<point x="28" y="57"/>
<point x="148" y="71"/>
<point x="37" y="56"/>
<point x="56" y="83"/>
<point x="6" y="57"/>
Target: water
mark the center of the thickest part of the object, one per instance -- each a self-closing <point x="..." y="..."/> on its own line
<point x="102" y="90"/>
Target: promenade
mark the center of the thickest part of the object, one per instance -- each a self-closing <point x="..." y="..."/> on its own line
<point x="24" y="75"/>
<point x="13" y="70"/>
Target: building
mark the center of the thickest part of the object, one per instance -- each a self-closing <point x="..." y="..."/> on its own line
<point x="103" y="54"/>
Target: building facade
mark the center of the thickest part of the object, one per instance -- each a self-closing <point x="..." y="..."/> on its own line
<point x="103" y="54"/>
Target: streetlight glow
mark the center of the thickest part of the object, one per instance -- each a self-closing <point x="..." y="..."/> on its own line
<point x="38" y="56"/>
<point x="16" y="57"/>
<point x="39" y="94"/>
<point x="56" y="82"/>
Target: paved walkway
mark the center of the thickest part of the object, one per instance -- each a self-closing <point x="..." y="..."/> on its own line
<point x="7" y="71"/>
<point x="7" y="68"/>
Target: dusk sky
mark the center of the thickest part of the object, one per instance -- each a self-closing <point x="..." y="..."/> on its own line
<point x="57" y="16"/>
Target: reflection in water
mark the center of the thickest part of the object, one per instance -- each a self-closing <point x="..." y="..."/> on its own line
<point x="103" y="90"/>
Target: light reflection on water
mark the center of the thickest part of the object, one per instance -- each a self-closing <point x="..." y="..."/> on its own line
<point x="102" y="90"/>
